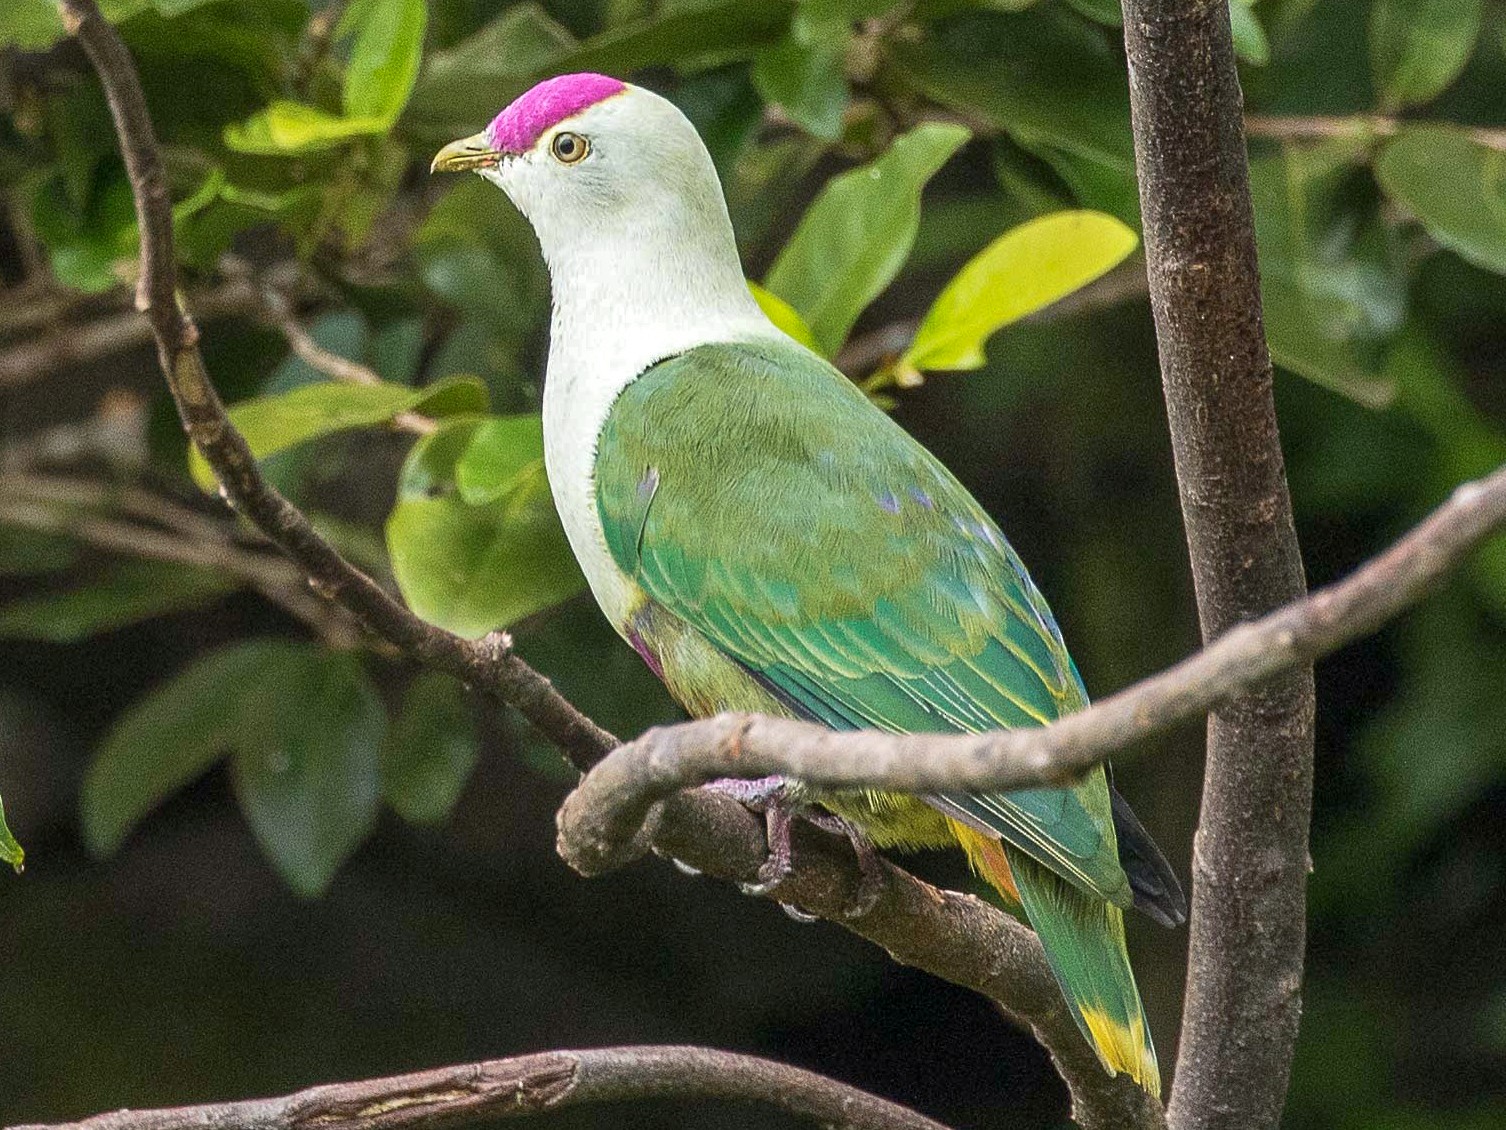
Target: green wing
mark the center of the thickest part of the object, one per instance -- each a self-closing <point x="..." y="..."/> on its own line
<point x="758" y="496"/>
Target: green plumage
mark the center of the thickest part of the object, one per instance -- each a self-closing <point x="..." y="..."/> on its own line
<point x="798" y="552"/>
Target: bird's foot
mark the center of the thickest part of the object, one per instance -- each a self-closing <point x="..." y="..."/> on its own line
<point x="873" y="875"/>
<point x="778" y="816"/>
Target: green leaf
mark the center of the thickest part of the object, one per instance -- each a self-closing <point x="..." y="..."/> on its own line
<point x="684" y="36"/>
<point x="10" y="851"/>
<point x="33" y="25"/>
<point x="500" y="448"/>
<point x="805" y="73"/>
<point x="1332" y="283"/>
<point x="1055" y="85"/>
<point x="1250" y="42"/>
<point x="306" y="762"/>
<point x="171" y="736"/>
<point x="130" y="592"/>
<point x="464" y="85"/>
<point x="430" y="750"/>
<point x="856" y="236"/>
<point x="459" y="395"/>
<point x="785" y="316"/>
<point x="1455" y="186"/>
<point x="276" y="423"/>
<point x="24" y="552"/>
<point x="384" y="59"/>
<point x="1024" y="270"/>
<point x="287" y="128"/>
<point x="467" y="568"/>
<point x="1419" y="47"/>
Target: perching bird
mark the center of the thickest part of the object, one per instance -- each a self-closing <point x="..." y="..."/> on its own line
<point x="770" y="541"/>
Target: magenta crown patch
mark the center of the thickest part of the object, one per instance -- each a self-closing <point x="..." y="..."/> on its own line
<point x="516" y="128"/>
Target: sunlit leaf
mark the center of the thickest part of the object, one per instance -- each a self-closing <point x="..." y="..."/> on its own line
<point x="286" y="128"/>
<point x="856" y="236"/>
<point x="1250" y="42"/>
<point x="430" y="750"/>
<point x="783" y="315"/>
<point x="1024" y="270"/>
<point x="384" y="59"/>
<point x="1418" y="47"/>
<point x="130" y="592"/>
<point x="1454" y="185"/>
<point x="276" y="423"/>
<point x="471" y="569"/>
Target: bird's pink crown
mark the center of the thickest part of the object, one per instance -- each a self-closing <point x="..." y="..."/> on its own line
<point x="516" y="128"/>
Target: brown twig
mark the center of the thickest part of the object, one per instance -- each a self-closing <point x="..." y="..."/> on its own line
<point x="534" y="1084"/>
<point x="1250" y="860"/>
<point x="279" y="311"/>
<point x="275" y="578"/>
<point x="600" y="823"/>
<point x="1362" y="126"/>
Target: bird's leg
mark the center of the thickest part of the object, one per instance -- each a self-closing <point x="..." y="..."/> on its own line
<point x="770" y="795"/>
<point x="874" y="877"/>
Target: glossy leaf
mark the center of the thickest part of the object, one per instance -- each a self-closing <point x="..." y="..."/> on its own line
<point x="276" y="423"/>
<point x="856" y="236"/>
<point x="384" y="59"/>
<point x="1455" y="186"/>
<point x="1419" y="47"/>
<point x="10" y="851"/>
<point x="430" y="750"/>
<point x="1024" y="270"/>
<point x="500" y="447"/>
<point x="681" y="35"/>
<point x="130" y="592"/>
<point x="471" y="569"/>
<point x="287" y="128"/>
<point x="306" y="762"/>
<point x="783" y="315"/>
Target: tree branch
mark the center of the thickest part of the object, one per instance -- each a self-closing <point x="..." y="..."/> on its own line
<point x="600" y="822"/>
<point x="534" y="1084"/>
<point x="954" y="937"/>
<point x="1320" y="127"/>
<point x="1250" y="864"/>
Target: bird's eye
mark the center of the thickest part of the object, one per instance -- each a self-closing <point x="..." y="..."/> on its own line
<point x="568" y="148"/>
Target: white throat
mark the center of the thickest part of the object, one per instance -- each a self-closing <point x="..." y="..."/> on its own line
<point x="624" y="299"/>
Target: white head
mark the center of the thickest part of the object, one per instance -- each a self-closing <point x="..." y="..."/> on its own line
<point x="623" y="197"/>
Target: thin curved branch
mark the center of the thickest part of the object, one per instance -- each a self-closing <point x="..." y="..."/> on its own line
<point x="600" y="822"/>
<point x="533" y="1084"/>
<point x="959" y="939"/>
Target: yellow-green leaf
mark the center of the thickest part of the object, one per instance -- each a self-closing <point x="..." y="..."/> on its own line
<point x="10" y="851"/>
<point x="285" y="128"/>
<point x="783" y="315"/>
<point x="1025" y="269"/>
<point x="384" y="59"/>
<point x="276" y="423"/>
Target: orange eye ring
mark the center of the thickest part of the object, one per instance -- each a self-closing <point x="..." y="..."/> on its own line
<point x="569" y="148"/>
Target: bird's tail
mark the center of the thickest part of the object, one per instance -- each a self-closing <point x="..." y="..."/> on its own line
<point x="1083" y="937"/>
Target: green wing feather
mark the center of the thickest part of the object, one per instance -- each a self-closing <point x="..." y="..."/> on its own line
<point x="758" y="497"/>
<point x="811" y="539"/>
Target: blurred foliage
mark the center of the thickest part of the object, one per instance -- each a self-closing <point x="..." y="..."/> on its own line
<point x="906" y="179"/>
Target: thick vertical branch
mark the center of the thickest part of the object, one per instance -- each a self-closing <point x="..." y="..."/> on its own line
<point x="1250" y="857"/>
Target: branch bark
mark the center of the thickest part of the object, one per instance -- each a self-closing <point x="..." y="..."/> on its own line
<point x="533" y="1084"/>
<point x="1250" y="863"/>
